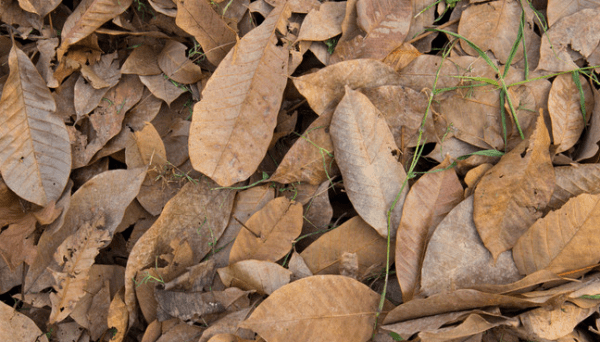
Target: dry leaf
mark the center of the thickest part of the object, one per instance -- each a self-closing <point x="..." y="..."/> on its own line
<point x="323" y="23"/>
<point x="264" y="277"/>
<point x="175" y="64"/>
<point x="429" y="200"/>
<point x="541" y="323"/>
<point x="142" y="61"/>
<point x="572" y="181"/>
<point x="18" y="326"/>
<point x="35" y="158"/>
<point x="353" y="236"/>
<point x="198" y="18"/>
<point x="562" y="241"/>
<point x="268" y="234"/>
<point x="162" y="88"/>
<point x="326" y="307"/>
<point x="87" y="17"/>
<point x="512" y="195"/>
<point x="366" y="154"/>
<point x="254" y="73"/>
<point x="40" y="7"/>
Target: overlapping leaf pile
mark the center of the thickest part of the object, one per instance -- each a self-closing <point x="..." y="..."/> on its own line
<point x="297" y="170"/>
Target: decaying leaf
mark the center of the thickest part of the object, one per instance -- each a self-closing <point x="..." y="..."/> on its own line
<point x="366" y="154"/>
<point x="18" y="326"/>
<point x="562" y="241"/>
<point x="512" y="195"/>
<point x="268" y="234"/>
<point x="326" y="307"/>
<point x="35" y="158"/>
<point x="254" y="74"/>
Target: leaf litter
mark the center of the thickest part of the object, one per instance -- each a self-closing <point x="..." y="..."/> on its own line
<point x="297" y="170"/>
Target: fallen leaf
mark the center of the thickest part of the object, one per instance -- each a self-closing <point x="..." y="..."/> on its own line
<point x="563" y="240"/>
<point x="230" y="149"/>
<point x="173" y="61"/>
<point x="35" y="158"/>
<point x="269" y="233"/>
<point x="512" y="194"/>
<point x="162" y="88"/>
<point x="18" y="326"/>
<point x="537" y="323"/>
<point x="264" y="277"/>
<point x="366" y="154"/>
<point x="429" y="200"/>
<point x="472" y="325"/>
<point x="323" y="23"/>
<point x="142" y="61"/>
<point x="87" y="17"/>
<point x="326" y="307"/>
<point x="354" y="236"/>
<point x="40" y="7"/>
<point x="572" y="181"/>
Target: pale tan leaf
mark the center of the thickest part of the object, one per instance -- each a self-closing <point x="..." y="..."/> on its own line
<point x="326" y="308"/>
<point x="74" y="257"/>
<point x="572" y="181"/>
<point x="92" y="86"/>
<point x="199" y="19"/>
<point x="455" y="257"/>
<point x="142" y="61"/>
<point x="326" y="86"/>
<point x="187" y="305"/>
<point x="173" y="61"/>
<point x="268" y="234"/>
<point x="429" y="200"/>
<point x="110" y="192"/>
<point x="365" y="152"/>
<point x="253" y="75"/>
<point x="40" y="7"/>
<point x="117" y="316"/>
<point x="35" y="156"/>
<point x="558" y="9"/>
<point x="541" y="323"/>
<point x="19" y="327"/>
<point x="162" y="88"/>
<point x="382" y="25"/>
<point x="86" y="18"/>
<point x="353" y="236"/>
<point x="565" y="110"/>
<point x="493" y="27"/>
<point x="166" y="7"/>
<point x="512" y="194"/>
<point x="472" y="325"/>
<point x="196" y="214"/>
<point x="228" y="325"/>
<point x="569" y="39"/>
<point x="323" y="23"/>
<point x="564" y="240"/>
<point x="264" y="277"/>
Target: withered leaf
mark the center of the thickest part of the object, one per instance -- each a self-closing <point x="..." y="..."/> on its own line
<point x="35" y="156"/>
<point x="142" y="61"/>
<point x="512" y="194"/>
<point x="254" y="75"/>
<point x="18" y="326"/>
<point x="563" y="240"/>
<point x="365" y="152"/>
<point x="175" y="64"/>
<point x="268" y="234"/>
<point x="572" y="181"/>
<point x="264" y="277"/>
<point x="162" y="88"/>
<point x="537" y="323"/>
<point x="325" y="307"/>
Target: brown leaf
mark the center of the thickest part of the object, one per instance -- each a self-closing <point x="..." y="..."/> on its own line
<point x="353" y="236"/>
<point x="511" y="195"/>
<point x="35" y="158"/>
<point x="117" y="316"/>
<point x="589" y="142"/>
<point x="197" y="214"/>
<point x="75" y="256"/>
<point x="572" y="181"/>
<point x="269" y="233"/>
<point x="455" y="257"/>
<point x="175" y="64"/>
<point x="325" y="86"/>
<point x="18" y="326"/>
<point x="88" y="94"/>
<point x="326" y="307"/>
<point x="254" y="73"/>
<point x="142" y="61"/>
<point x="86" y="18"/>
<point x="323" y="23"/>
<point x="563" y="240"/>
<point x="572" y="36"/>
<point x="540" y="324"/>
<point x="366" y="154"/>
<point x="473" y="324"/>
<point x="41" y="7"/>
<point x="429" y="200"/>
<point x="381" y="26"/>
<point x="162" y="88"/>
<point x="264" y="277"/>
<point x="198" y="18"/>
<point x="228" y="325"/>
<point x="565" y="110"/>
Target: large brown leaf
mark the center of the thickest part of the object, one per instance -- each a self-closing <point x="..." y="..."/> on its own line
<point x="35" y="156"/>
<point x="564" y="240"/>
<point x="86" y="18"/>
<point x="198" y="18"/>
<point x="565" y="110"/>
<point x="366" y="154"/>
<point x="323" y="308"/>
<point x="427" y="203"/>
<point x="244" y="94"/>
<point x="324" y="256"/>
<point x="268" y="234"/>
<point x="512" y="195"/>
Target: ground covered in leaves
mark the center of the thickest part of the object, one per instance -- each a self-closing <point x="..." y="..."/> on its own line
<point x="297" y="170"/>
